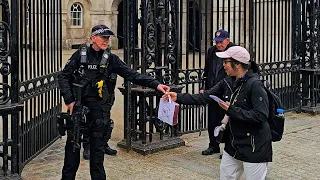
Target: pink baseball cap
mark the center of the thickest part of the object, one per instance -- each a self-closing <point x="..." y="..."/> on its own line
<point x="235" y="52"/>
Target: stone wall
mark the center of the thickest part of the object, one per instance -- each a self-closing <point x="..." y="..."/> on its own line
<point x="105" y="12"/>
<point x="94" y="12"/>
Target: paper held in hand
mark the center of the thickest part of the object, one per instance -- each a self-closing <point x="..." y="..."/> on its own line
<point x="168" y="111"/>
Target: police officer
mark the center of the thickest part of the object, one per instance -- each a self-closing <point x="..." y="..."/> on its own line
<point x="111" y="84"/>
<point x="100" y="63"/>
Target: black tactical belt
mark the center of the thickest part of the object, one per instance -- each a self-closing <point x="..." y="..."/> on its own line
<point x="93" y="102"/>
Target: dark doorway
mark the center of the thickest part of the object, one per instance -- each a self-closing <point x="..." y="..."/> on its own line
<point x="194" y="26"/>
<point x="120" y="25"/>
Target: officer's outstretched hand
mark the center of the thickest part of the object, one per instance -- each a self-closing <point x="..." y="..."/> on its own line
<point x="70" y="107"/>
<point x="173" y="96"/>
<point x="163" y="88"/>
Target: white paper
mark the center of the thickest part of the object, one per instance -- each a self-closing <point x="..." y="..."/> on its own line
<point x="216" y="98"/>
<point x="166" y="111"/>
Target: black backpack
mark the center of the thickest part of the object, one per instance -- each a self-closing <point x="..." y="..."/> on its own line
<point x="275" y="121"/>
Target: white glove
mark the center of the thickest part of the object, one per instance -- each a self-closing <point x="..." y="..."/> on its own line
<point x="218" y="129"/>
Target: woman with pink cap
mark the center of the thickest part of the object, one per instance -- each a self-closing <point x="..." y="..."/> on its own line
<point x="247" y="137"/>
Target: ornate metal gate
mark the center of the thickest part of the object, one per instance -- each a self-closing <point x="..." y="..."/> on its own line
<point x="151" y="47"/>
<point x="263" y="27"/>
<point x="307" y="50"/>
<point x="168" y="39"/>
<point x="30" y="55"/>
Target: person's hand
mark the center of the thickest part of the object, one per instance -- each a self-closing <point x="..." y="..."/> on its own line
<point x="163" y="88"/>
<point x="223" y="105"/>
<point x="70" y="107"/>
<point x="225" y="119"/>
<point x="201" y="91"/>
<point x="173" y="96"/>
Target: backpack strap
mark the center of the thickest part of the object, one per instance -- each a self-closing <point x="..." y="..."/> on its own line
<point x="247" y="84"/>
<point x="235" y="95"/>
<point x="248" y="87"/>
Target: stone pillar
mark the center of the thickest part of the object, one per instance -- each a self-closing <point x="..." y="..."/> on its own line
<point x="114" y="26"/>
<point x="184" y="28"/>
<point x="206" y="39"/>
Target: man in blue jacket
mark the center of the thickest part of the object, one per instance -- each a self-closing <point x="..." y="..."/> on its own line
<point x="214" y="73"/>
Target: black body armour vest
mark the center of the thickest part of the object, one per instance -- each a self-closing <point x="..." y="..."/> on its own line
<point x="93" y="73"/>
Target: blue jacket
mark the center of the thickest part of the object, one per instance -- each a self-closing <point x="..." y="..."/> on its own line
<point x="210" y="78"/>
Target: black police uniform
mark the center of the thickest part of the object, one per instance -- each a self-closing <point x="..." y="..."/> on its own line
<point x="111" y="84"/>
<point x="99" y="114"/>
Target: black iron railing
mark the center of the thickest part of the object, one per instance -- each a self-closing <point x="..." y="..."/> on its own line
<point x="30" y="57"/>
<point x="170" y="39"/>
<point x="40" y="57"/>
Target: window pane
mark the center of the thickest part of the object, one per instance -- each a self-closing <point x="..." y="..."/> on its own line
<point x="78" y="8"/>
<point x="76" y="14"/>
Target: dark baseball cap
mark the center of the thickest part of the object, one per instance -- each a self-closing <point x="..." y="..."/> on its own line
<point x="101" y="30"/>
<point x="221" y="35"/>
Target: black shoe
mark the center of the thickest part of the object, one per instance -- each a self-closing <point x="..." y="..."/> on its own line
<point x="110" y="151"/>
<point x="211" y="151"/>
<point x="86" y="154"/>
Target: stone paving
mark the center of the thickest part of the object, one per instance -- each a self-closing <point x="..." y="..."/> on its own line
<point x="296" y="157"/>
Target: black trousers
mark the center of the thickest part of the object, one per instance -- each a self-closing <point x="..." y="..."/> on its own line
<point x="215" y="115"/>
<point x="86" y="138"/>
<point x="97" y="122"/>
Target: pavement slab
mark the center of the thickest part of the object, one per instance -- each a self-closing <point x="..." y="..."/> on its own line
<point x="296" y="156"/>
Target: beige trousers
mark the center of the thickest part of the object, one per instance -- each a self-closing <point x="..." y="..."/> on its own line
<point x="232" y="169"/>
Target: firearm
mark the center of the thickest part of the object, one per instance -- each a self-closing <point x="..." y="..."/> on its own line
<point x="74" y="123"/>
<point x="78" y="116"/>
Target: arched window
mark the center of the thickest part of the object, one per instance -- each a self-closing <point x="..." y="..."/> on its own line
<point x="76" y="15"/>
